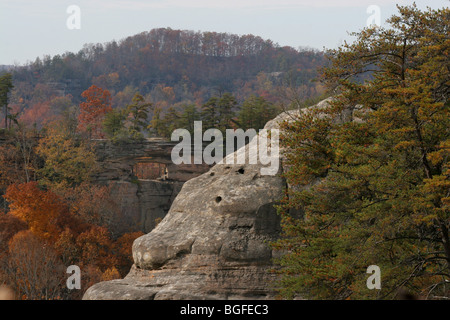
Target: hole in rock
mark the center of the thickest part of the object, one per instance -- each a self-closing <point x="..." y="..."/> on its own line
<point x="218" y="199"/>
<point x="241" y="171"/>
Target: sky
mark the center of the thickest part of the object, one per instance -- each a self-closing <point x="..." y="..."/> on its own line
<point x="34" y="28"/>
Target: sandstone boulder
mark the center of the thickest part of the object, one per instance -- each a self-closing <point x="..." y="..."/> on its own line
<point x="214" y="241"/>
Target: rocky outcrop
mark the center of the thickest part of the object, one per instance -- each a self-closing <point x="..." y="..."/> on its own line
<point x="118" y="160"/>
<point x="143" y="200"/>
<point x="214" y="242"/>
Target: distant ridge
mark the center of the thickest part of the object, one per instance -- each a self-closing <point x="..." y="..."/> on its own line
<point x="168" y="67"/>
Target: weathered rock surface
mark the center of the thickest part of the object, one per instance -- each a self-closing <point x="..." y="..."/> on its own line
<point x="213" y="243"/>
<point x="143" y="200"/>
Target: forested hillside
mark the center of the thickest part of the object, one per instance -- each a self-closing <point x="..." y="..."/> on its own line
<point x="167" y="67"/>
<point x="51" y="209"/>
<point x="365" y="174"/>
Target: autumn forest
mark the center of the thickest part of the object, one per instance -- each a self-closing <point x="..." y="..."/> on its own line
<point x="52" y="214"/>
<point x="373" y="190"/>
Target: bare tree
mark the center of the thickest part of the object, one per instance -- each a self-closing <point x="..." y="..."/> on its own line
<point x="33" y="269"/>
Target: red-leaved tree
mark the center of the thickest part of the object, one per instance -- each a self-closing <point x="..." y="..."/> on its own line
<point x="92" y="112"/>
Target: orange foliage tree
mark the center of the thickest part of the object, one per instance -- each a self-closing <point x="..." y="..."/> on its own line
<point x="92" y="112"/>
<point x="34" y="269"/>
<point x="37" y="114"/>
<point x="62" y="226"/>
<point x="9" y="226"/>
<point x="41" y="210"/>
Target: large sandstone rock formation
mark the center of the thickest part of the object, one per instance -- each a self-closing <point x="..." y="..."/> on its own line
<point x="213" y="243"/>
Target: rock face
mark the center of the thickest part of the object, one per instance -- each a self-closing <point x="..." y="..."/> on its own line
<point x="145" y="195"/>
<point x="144" y="202"/>
<point x="119" y="161"/>
<point x="213" y="243"/>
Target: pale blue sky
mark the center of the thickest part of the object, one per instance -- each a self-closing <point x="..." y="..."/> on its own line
<point x="32" y="28"/>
